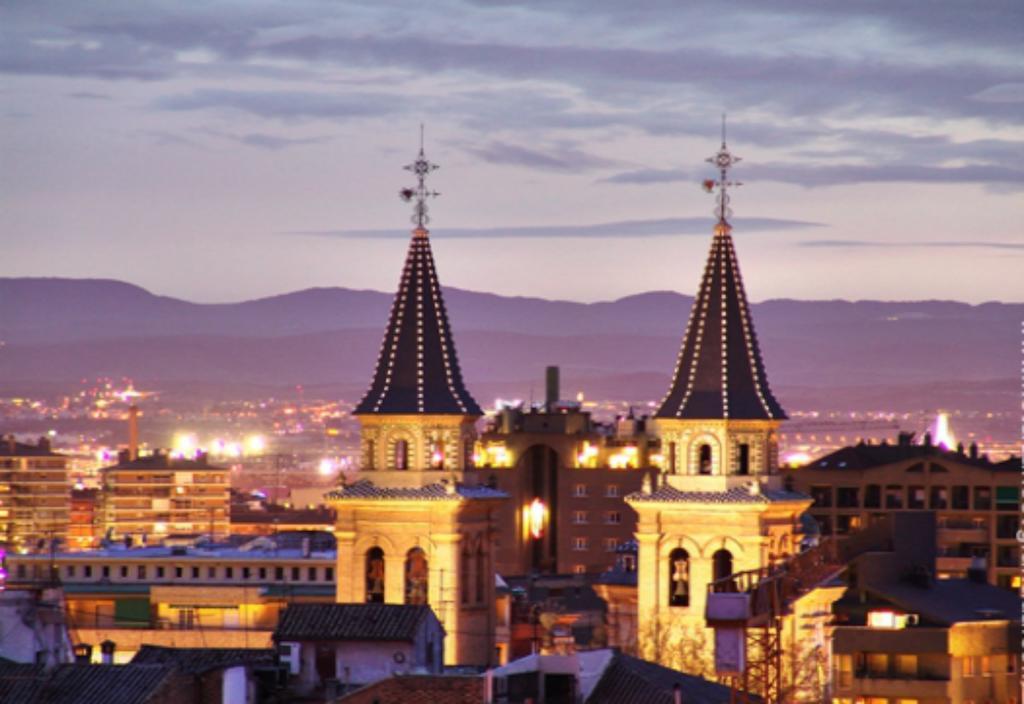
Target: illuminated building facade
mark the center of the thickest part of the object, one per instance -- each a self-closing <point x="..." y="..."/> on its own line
<point x="977" y="501"/>
<point x="152" y="497"/>
<point x="719" y="507"/>
<point x="414" y="529"/>
<point x="82" y="526"/>
<point x="903" y="636"/>
<point x="215" y="596"/>
<point x="567" y="477"/>
<point x="34" y="495"/>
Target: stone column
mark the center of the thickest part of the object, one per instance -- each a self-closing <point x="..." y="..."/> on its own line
<point x="394" y="578"/>
<point x="347" y="569"/>
<point x="444" y="592"/>
<point x="648" y="590"/>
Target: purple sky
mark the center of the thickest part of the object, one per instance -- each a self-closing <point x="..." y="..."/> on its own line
<point x="220" y="150"/>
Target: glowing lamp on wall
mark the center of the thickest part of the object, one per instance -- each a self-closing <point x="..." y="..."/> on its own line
<point x="536" y="517"/>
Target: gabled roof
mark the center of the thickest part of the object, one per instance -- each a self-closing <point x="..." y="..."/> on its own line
<point x="719" y="372"/>
<point x="196" y="661"/>
<point x="864" y="456"/>
<point x="417" y="370"/>
<point x="352" y="622"/>
<point x="84" y="684"/>
<point x="629" y="680"/>
<point x="422" y="689"/>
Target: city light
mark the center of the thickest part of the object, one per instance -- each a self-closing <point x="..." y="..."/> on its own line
<point x="326" y="467"/>
<point x="626" y="458"/>
<point x="185" y="445"/>
<point x="942" y="432"/>
<point x="587" y="456"/>
<point x="255" y="445"/>
<point x="536" y="516"/>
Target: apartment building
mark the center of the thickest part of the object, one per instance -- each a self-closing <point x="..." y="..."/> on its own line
<point x="186" y="596"/>
<point x="976" y="500"/>
<point x="150" y="497"/>
<point x="34" y="495"/>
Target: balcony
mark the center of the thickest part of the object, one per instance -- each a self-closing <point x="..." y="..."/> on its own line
<point x="894" y="687"/>
<point x="962" y="532"/>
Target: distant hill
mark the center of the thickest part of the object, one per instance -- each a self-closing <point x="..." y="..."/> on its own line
<point x="57" y="330"/>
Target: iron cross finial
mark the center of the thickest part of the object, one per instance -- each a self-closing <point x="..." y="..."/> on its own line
<point x="723" y="161"/>
<point x="420" y="193"/>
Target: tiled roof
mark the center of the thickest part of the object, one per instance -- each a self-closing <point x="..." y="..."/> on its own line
<point x="346" y="622"/>
<point x="366" y="489"/>
<point x="719" y="372"/>
<point x="196" y="661"/>
<point x="951" y="601"/>
<point x="83" y="684"/>
<point x="421" y="689"/>
<point x="417" y="369"/>
<point x="629" y="680"/>
<point x="735" y="495"/>
<point x="864" y="456"/>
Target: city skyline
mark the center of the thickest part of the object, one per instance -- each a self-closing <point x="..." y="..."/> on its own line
<point x="229" y="154"/>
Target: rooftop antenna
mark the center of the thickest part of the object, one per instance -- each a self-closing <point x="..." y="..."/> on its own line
<point x="723" y="160"/>
<point x="420" y="193"/>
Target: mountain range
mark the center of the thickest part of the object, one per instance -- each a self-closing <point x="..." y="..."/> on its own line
<point x="54" y="331"/>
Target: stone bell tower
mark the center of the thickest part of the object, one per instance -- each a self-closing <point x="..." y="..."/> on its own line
<point x="719" y="506"/>
<point x="411" y="529"/>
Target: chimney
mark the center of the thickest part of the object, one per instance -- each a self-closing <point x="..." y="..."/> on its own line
<point x="133" y="432"/>
<point x="107" y="649"/>
<point x="974" y="450"/>
<point x="44" y="443"/>
<point x="83" y="653"/>
<point x="960" y="449"/>
<point x="551" y="387"/>
<point x="12" y="444"/>
<point x="123" y="456"/>
<point x="677" y="694"/>
<point x="928" y="439"/>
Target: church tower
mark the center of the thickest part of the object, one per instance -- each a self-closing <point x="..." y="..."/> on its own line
<point x="411" y="530"/>
<point x="718" y="507"/>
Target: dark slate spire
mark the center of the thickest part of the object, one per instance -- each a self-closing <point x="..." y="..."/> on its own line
<point x="719" y="373"/>
<point x="417" y="370"/>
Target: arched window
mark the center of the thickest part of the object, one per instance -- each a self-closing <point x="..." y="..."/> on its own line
<point x="679" y="578"/>
<point x="481" y="574"/>
<point x="722" y="564"/>
<point x="416" y="577"/>
<point x="464" y="579"/>
<point x="401" y="454"/>
<point x="672" y="458"/>
<point x="437" y="455"/>
<point x="371" y="450"/>
<point x="704" y="459"/>
<point x="375" y="576"/>
<point x="743" y="464"/>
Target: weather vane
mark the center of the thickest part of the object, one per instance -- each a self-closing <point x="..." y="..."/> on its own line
<point x="421" y="167"/>
<point x="724" y="160"/>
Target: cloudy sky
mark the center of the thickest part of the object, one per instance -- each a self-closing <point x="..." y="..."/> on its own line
<point x="221" y="150"/>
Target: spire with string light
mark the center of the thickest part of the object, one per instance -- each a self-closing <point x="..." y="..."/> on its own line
<point x="417" y="370"/>
<point x="719" y="372"/>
